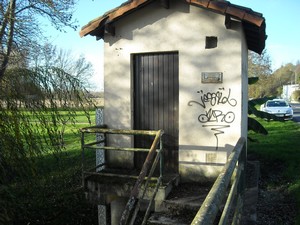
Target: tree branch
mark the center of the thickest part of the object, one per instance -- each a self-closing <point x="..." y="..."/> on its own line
<point x="12" y="9"/>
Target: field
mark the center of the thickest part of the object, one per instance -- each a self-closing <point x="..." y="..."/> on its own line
<point x="53" y="194"/>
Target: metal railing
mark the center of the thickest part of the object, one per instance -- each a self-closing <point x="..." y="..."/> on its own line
<point x="214" y="209"/>
<point x="154" y="156"/>
<point x="233" y="172"/>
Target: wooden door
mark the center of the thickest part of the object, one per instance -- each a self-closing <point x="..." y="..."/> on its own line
<point x="156" y="93"/>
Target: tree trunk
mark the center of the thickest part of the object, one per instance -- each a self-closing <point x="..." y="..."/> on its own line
<point x="11" y="20"/>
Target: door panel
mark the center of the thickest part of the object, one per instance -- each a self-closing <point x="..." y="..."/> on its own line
<point x="156" y="93"/>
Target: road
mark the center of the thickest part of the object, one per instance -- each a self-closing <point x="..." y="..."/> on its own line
<point x="296" y="108"/>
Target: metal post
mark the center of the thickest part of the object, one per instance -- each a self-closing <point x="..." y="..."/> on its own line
<point x="100" y="153"/>
<point x="135" y="190"/>
<point x="161" y="163"/>
<point x="82" y="157"/>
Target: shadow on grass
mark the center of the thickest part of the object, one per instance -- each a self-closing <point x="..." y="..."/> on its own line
<point x="279" y="156"/>
<point x="52" y="194"/>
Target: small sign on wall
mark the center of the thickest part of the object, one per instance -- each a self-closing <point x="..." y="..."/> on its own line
<point x="211" y="77"/>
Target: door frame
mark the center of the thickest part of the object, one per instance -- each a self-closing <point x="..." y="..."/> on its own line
<point x="174" y="154"/>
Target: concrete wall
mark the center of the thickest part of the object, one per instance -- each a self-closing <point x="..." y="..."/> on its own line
<point x="210" y="115"/>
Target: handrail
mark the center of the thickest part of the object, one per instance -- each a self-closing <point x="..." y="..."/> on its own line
<point x="212" y="204"/>
<point x="150" y="164"/>
<point x="104" y="130"/>
<point x="232" y="171"/>
<point x="135" y="191"/>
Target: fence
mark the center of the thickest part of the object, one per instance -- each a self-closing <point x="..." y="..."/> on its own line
<point x="234" y="170"/>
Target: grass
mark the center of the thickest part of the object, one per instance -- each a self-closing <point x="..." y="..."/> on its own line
<point x="281" y="144"/>
<point x="279" y="153"/>
<point x="52" y="195"/>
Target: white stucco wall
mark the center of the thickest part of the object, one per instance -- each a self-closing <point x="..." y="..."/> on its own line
<point x="203" y="146"/>
<point x="287" y="91"/>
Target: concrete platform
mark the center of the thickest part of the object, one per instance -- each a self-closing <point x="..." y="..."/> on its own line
<point x="181" y="205"/>
<point x="107" y="185"/>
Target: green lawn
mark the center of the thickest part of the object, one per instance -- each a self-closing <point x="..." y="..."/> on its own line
<point x="279" y="153"/>
<point x="52" y="195"/>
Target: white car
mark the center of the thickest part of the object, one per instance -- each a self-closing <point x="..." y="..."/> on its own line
<point x="278" y="107"/>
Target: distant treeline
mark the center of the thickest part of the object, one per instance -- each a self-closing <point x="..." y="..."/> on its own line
<point x="96" y="94"/>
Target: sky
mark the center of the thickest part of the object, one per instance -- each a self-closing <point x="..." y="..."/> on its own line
<point x="282" y="45"/>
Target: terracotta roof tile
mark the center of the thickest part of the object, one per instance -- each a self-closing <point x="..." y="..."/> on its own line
<point x="217" y="6"/>
<point x="253" y="22"/>
<point x="130" y="5"/>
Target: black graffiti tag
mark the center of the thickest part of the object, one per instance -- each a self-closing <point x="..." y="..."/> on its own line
<point x="213" y="118"/>
<point x="214" y="98"/>
<point x="218" y="129"/>
<point x="216" y="116"/>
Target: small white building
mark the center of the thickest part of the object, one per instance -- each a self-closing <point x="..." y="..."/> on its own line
<point x="287" y="91"/>
<point x="180" y="66"/>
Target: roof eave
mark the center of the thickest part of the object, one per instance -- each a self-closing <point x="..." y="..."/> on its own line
<point x="111" y="16"/>
<point x="253" y="22"/>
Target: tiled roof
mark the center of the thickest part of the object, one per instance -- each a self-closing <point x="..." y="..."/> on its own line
<point x="253" y="22"/>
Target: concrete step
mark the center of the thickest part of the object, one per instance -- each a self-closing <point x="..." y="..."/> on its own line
<point x="177" y="211"/>
<point x="181" y="206"/>
<point x="168" y="219"/>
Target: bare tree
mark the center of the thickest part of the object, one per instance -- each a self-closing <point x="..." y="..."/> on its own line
<point x="20" y="29"/>
<point x="259" y="66"/>
<point x="49" y="56"/>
